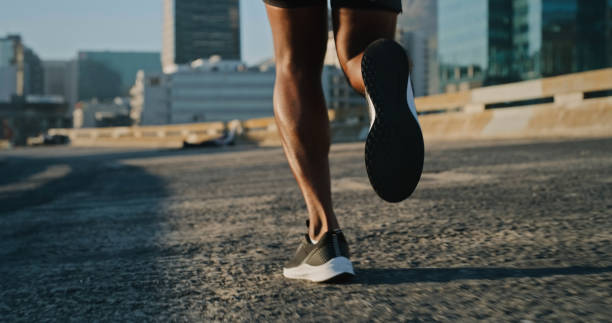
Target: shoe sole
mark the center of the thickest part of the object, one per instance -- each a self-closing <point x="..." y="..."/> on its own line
<point x="394" y="150"/>
<point x="339" y="266"/>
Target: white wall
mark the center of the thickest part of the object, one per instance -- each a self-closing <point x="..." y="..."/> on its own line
<point x="156" y="100"/>
<point x="198" y="96"/>
<point x="201" y="94"/>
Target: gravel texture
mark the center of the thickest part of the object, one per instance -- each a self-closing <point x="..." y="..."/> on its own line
<point x="496" y="230"/>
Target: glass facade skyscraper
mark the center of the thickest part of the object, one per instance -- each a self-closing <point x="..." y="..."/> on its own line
<point x="21" y="71"/>
<point x="416" y="31"/>
<point x="555" y="37"/>
<point x="106" y="75"/>
<point x="487" y="42"/>
<point x="7" y="52"/>
<point x="196" y="29"/>
<point x="463" y="43"/>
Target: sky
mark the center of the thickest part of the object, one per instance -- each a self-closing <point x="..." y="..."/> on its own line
<point x="57" y="29"/>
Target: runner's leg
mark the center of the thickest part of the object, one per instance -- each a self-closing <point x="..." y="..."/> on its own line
<point x="300" y="37"/>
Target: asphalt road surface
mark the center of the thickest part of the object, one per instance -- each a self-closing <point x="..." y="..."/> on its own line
<point x="497" y="230"/>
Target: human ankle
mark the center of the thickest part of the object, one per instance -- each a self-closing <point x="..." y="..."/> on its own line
<point x="317" y="230"/>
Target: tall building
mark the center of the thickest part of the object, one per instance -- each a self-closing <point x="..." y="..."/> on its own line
<point x="60" y="80"/>
<point x="55" y="77"/>
<point x="8" y="69"/>
<point x="195" y="29"/>
<point x="21" y="71"/>
<point x="419" y="15"/>
<point x="34" y="73"/>
<point x="487" y="42"/>
<point x="474" y="43"/>
<point x="555" y="37"/>
<point x="24" y="110"/>
<point x="416" y="45"/>
<point x="417" y="32"/>
<point x="105" y="75"/>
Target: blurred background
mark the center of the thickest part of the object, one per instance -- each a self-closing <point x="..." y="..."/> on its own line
<point x="75" y="64"/>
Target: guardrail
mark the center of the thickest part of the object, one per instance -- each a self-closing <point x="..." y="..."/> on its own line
<point x="573" y="105"/>
<point x="562" y="90"/>
<point x="570" y="105"/>
<point x="145" y="136"/>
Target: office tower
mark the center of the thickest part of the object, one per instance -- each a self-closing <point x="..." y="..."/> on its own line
<point x="8" y="69"/>
<point x="61" y="79"/>
<point x="419" y="15"/>
<point x="196" y="29"/>
<point x="21" y="71"/>
<point x="34" y="73"/>
<point x="55" y="77"/>
<point x="418" y="48"/>
<point x="555" y="37"/>
<point x="417" y="32"/>
<point x="24" y="111"/>
<point x="474" y="43"/>
<point x="106" y="75"/>
<point x="488" y="42"/>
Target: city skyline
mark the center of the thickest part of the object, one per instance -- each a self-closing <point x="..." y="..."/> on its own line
<point x="100" y="24"/>
<point x="113" y="26"/>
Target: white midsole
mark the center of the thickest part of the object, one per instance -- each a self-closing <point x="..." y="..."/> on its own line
<point x="326" y="271"/>
<point x="410" y="99"/>
<point x="371" y="109"/>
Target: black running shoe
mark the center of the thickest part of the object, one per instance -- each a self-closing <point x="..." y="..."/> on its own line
<point x="394" y="149"/>
<point x="326" y="260"/>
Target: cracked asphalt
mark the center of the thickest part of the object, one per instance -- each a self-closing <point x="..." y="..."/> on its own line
<point x="496" y="231"/>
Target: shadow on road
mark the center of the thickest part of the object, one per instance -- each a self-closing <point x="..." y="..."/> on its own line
<point x="80" y="228"/>
<point x="372" y="276"/>
<point x="83" y="166"/>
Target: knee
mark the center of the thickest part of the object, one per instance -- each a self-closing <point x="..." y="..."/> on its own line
<point x="298" y="69"/>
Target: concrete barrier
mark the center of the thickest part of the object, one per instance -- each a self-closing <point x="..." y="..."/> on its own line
<point x="5" y="144"/>
<point x="592" y="119"/>
<point x="558" y="89"/>
<point x="568" y="111"/>
<point x="170" y="136"/>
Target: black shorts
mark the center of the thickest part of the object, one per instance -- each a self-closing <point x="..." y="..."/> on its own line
<point x="392" y="5"/>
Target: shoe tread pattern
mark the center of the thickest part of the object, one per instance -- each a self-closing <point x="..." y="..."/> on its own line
<point x="394" y="150"/>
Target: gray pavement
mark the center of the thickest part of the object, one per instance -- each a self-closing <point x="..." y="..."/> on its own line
<point x="498" y="231"/>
